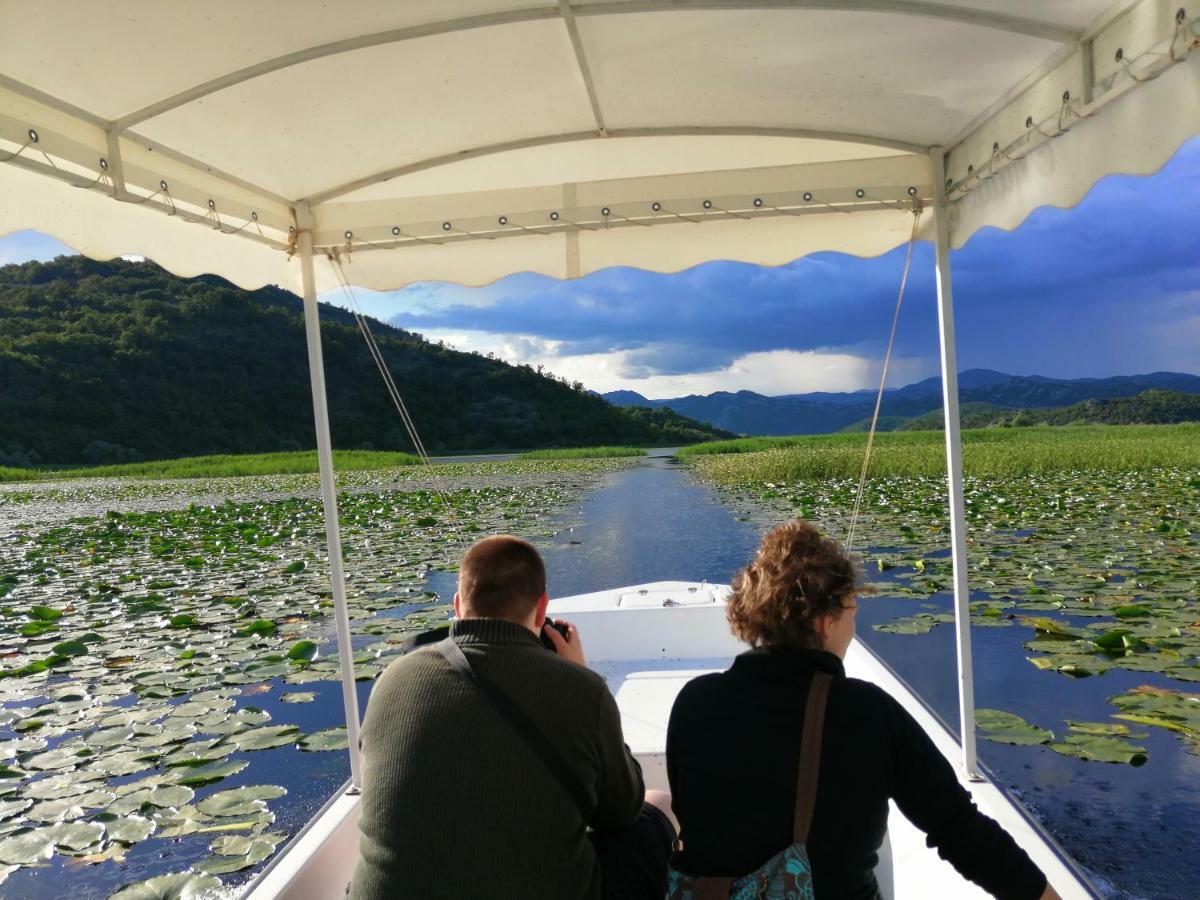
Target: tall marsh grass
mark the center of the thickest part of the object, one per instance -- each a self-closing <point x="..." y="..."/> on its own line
<point x="584" y="453"/>
<point x="224" y="466"/>
<point x="991" y="451"/>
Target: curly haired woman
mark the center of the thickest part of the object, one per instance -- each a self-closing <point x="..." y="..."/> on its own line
<point x="734" y="738"/>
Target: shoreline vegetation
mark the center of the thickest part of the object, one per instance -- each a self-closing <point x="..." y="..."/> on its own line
<point x="300" y="462"/>
<point x="990" y="451"/>
<point x="584" y="453"/>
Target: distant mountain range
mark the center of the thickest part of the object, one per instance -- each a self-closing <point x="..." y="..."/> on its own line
<point x="746" y="412"/>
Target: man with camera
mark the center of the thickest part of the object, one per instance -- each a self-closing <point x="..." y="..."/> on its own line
<point x="494" y="768"/>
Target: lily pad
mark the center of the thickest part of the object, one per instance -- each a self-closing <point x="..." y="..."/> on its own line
<point x="241" y="801"/>
<point x="1009" y="728"/>
<point x="210" y="773"/>
<point x="328" y="739"/>
<point x="266" y="737"/>
<point x="1101" y="748"/>
<point x="170" y="795"/>
<point x="76" y="835"/>
<point x="129" y="829"/>
<point x="251" y="851"/>
<point x="175" y="886"/>
<point x="27" y="848"/>
<point x="302" y="651"/>
<point x="298" y="697"/>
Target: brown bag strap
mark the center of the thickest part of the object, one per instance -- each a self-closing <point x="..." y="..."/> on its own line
<point x="713" y="887"/>
<point x="810" y="755"/>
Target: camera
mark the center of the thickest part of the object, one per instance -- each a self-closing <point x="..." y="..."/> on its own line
<point x="545" y="639"/>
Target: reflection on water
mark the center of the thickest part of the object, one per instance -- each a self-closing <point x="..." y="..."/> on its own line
<point x="1135" y="830"/>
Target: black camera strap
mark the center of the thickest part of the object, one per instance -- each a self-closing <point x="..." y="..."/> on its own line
<point x="523" y="726"/>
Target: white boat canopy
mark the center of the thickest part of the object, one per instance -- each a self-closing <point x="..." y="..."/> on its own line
<point x="464" y="140"/>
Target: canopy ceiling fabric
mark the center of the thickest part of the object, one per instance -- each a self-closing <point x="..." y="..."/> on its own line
<point x="464" y="140"/>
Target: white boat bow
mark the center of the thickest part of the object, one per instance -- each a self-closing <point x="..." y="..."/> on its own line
<point x="648" y="641"/>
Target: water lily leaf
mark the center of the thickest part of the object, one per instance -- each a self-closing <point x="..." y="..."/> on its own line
<point x="210" y="773"/>
<point x="170" y="795"/>
<point x="238" y="845"/>
<point x="1110" y="728"/>
<point x="252" y="851"/>
<point x="9" y="749"/>
<point x="129" y="829"/>
<point x="27" y="848"/>
<point x="58" y="758"/>
<point x="175" y="886"/>
<point x="328" y="739"/>
<point x="260" y="627"/>
<point x="95" y="799"/>
<point x="128" y="762"/>
<point x="48" y="812"/>
<point x="1074" y="665"/>
<point x="75" y="835"/>
<point x="302" y="651"/>
<point x="197" y="753"/>
<point x="242" y="801"/>
<point x="109" y="737"/>
<point x="918" y="624"/>
<point x="298" y="697"/>
<point x="10" y="808"/>
<point x="1101" y="748"/>
<point x="266" y="737"/>
<point x="72" y="648"/>
<point x="1009" y="728"/>
<point x="1048" y="628"/>
<point x="113" y="852"/>
<point x="43" y="613"/>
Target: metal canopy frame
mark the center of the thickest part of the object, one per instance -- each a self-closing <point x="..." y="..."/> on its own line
<point x="74" y="137"/>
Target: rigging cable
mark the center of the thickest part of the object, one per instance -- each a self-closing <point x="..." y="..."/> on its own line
<point x="389" y="382"/>
<point x="887" y="359"/>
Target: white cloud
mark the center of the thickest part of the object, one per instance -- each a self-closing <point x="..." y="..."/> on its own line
<point x="771" y="373"/>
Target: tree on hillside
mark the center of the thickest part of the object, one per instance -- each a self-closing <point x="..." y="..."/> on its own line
<point x="122" y="359"/>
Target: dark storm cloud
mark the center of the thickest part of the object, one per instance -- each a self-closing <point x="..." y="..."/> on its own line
<point x="1093" y="290"/>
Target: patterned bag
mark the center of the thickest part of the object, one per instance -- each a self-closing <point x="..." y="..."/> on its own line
<point x="787" y="875"/>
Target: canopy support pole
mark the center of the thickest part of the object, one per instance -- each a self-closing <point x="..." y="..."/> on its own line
<point x="958" y="525"/>
<point x="333" y="536"/>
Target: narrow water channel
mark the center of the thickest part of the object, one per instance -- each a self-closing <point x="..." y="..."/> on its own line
<point x="649" y="523"/>
<point x="1130" y="828"/>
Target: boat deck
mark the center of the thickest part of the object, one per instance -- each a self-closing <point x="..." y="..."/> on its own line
<point x="648" y="642"/>
<point x="649" y="651"/>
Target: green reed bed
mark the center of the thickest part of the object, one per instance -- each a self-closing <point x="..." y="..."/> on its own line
<point x="584" y="453"/>
<point x="225" y="466"/>
<point x="997" y="451"/>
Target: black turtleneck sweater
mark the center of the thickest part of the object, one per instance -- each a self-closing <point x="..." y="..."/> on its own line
<point x="733" y="747"/>
<point x="456" y="805"/>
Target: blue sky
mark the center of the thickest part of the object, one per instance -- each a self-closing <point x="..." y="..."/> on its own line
<point x="1109" y="287"/>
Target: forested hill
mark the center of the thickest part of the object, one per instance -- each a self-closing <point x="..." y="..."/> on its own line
<point x="1153" y="407"/>
<point x="115" y="361"/>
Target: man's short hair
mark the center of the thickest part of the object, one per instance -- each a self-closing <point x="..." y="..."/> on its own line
<point x="501" y="577"/>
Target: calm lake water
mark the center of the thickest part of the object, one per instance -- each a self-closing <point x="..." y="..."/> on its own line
<point x="1135" y="830"/>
